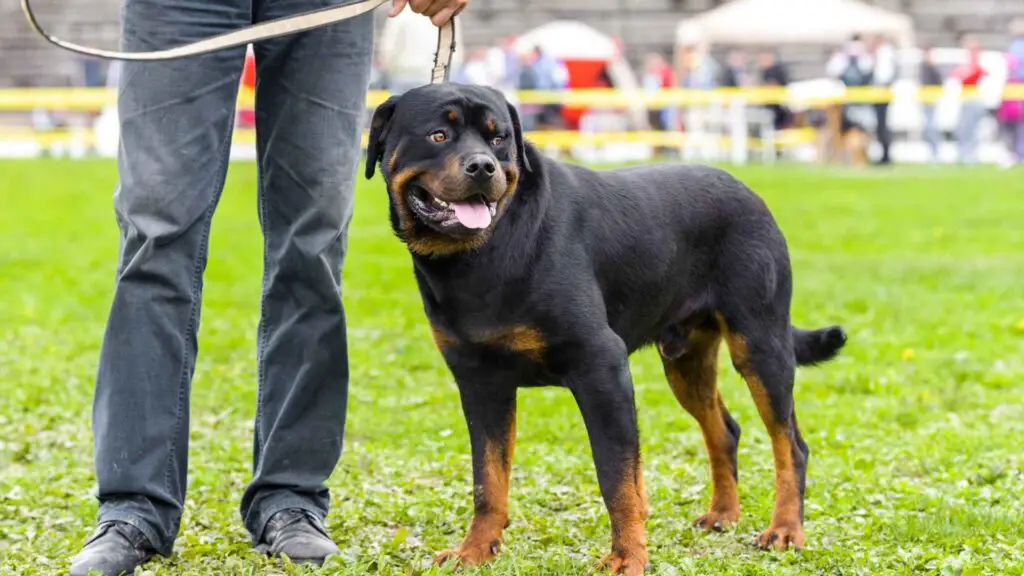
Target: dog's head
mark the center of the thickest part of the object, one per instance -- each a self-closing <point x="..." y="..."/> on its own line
<point x="452" y="156"/>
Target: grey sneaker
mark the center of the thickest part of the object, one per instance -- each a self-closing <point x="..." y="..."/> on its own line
<point x="115" y="548"/>
<point x="300" y="535"/>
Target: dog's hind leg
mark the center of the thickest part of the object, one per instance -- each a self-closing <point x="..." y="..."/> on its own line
<point x="693" y="378"/>
<point x="762" y="352"/>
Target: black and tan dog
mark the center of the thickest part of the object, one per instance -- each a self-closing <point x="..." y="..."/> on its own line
<point x="534" y="272"/>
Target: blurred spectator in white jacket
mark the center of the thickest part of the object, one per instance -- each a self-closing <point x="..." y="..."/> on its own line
<point x="479" y="69"/>
<point x="406" y="50"/>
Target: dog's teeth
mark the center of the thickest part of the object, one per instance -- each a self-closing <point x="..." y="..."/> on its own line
<point x="440" y="203"/>
<point x="491" y="209"/>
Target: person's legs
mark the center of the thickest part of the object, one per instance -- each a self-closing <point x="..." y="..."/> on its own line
<point x="971" y="113"/>
<point x="310" y="103"/>
<point x="884" y="136"/>
<point x="931" y="131"/>
<point x="176" y="119"/>
<point x="1019" y="145"/>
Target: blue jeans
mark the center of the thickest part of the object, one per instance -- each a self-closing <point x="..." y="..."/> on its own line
<point x="176" y="120"/>
<point x="971" y="114"/>
<point x="931" y="131"/>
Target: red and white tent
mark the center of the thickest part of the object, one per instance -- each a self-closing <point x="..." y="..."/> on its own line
<point x="585" y="51"/>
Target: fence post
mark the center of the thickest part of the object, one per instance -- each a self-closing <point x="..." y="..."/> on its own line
<point x="738" y="131"/>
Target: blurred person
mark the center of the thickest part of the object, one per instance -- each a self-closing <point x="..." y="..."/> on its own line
<point x="548" y="74"/>
<point x="972" y="107"/>
<point x="406" y="50"/>
<point x="1011" y="113"/>
<point x="498" y="62"/>
<point x="698" y="70"/>
<point x="92" y="72"/>
<point x="695" y="70"/>
<point x="884" y="72"/>
<point x="175" y="124"/>
<point x="529" y="113"/>
<point x="40" y="117"/>
<point x="853" y="65"/>
<point x="734" y="73"/>
<point x="658" y="76"/>
<point x="930" y="76"/>
<point x="550" y="71"/>
<point x="774" y="74"/>
<point x="476" y="69"/>
<point x="505" y="61"/>
<point x="603" y="79"/>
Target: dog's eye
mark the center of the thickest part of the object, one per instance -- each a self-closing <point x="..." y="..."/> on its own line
<point x="497" y="140"/>
<point x="438" y="137"/>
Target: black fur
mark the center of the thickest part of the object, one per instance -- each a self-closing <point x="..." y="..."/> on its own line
<point x="817" y="346"/>
<point x="595" y="265"/>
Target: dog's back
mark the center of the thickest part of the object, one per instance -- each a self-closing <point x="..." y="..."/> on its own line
<point x="663" y="240"/>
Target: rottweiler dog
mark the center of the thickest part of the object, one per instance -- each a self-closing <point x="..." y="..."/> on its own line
<point x="535" y="272"/>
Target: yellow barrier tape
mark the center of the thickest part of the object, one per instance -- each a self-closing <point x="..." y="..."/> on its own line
<point x="560" y="139"/>
<point x="95" y="99"/>
<point x="64" y="136"/>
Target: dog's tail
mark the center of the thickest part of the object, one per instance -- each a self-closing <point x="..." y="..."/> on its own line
<point x="817" y="346"/>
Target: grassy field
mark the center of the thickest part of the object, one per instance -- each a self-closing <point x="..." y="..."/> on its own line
<point x="916" y="432"/>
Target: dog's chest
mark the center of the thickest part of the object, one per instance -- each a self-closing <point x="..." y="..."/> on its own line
<point x="468" y="311"/>
<point x="469" y="324"/>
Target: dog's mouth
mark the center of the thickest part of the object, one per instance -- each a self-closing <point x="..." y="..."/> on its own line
<point x="463" y="217"/>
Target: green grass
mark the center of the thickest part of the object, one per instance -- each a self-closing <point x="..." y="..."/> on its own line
<point x="916" y="432"/>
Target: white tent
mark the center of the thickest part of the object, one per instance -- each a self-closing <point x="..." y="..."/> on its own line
<point x="793" y="22"/>
<point x="574" y="40"/>
<point x="569" y="40"/>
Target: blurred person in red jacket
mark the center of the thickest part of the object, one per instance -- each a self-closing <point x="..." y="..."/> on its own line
<point x="658" y="75"/>
<point x="972" y="108"/>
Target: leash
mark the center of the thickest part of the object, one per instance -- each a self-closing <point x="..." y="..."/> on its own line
<point x="257" y="32"/>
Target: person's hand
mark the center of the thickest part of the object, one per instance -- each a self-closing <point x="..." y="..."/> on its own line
<point x="439" y="11"/>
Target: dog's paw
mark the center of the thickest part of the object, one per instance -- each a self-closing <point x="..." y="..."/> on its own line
<point x="717" y="521"/>
<point x="781" y="537"/>
<point x="629" y="563"/>
<point x="467" y="556"/>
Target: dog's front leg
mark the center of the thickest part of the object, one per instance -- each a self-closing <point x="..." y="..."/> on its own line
<point x="604" y="392"/>
<point x="490" y="411"/>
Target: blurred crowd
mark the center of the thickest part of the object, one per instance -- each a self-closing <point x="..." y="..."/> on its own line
<point x="401" y="64"/>
<point x="873" y="62"/>
<point x="861" y="61"/>
<point x="514" y="64"/>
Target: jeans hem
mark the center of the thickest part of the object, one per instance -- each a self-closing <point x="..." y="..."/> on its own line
<point x="163" y="547"/>
<point x="256" y="522"/>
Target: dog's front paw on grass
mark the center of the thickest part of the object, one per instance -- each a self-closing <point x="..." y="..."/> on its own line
<point x="781" y="537"/>
<point x="717" y="521"/>
<point x="467" y="556"/>
<point x="628" y="563"/>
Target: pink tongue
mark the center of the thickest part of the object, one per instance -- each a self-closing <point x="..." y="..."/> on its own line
<point x="472" y="214"/>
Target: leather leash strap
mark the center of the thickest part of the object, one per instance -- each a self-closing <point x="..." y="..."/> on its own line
<point x="257" y="32"/>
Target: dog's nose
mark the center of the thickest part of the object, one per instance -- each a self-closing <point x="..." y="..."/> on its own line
<point x="480" y="167"/>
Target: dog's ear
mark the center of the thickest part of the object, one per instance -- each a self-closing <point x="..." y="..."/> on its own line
<point x="517" y="128"/>
<point x="378" y="131"/>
